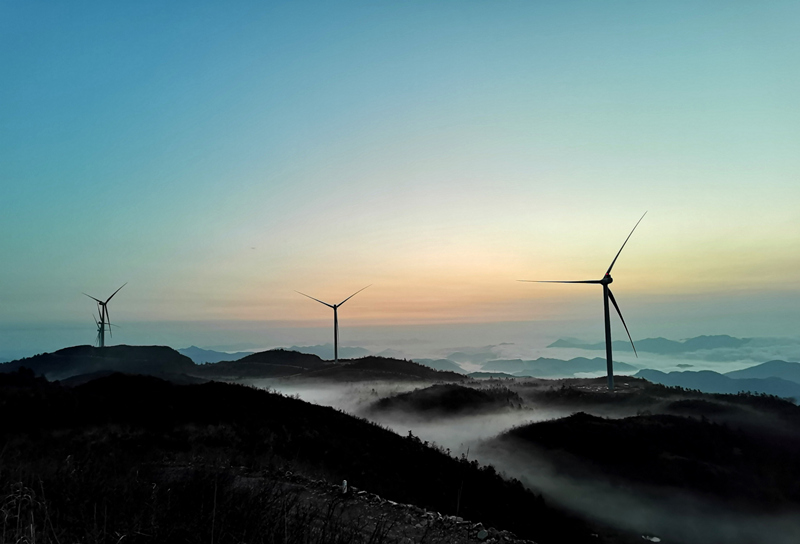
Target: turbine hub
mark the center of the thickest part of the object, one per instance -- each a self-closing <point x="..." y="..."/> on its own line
<point x="607" y="279"/>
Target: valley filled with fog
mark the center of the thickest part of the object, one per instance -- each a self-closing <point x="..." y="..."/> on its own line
<point x="669" y="513"/>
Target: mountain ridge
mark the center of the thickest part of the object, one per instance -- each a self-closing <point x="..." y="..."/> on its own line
<point x="201" y="356"/>
<point x="165" y="362"/>
<point x="709" y="381"/>
<point x="771" y="369"/>
<point x="660" y="345"/>
<point x="544" y="367"/>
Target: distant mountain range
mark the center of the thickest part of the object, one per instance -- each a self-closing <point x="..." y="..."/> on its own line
<point x="552" y="368"/>
<point x="708" y="381"/>
<point x="660" y="345"/>
<point x="771" y="369"/>
<point x="477" y="356"/>
<point x="201" y="356"/>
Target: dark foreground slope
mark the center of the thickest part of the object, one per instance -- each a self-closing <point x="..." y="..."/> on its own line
<point x="96" y="456"/>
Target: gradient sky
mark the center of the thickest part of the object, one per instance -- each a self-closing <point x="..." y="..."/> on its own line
<point x="218" y="156"/>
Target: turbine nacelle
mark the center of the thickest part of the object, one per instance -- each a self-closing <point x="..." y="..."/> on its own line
<point x="607" y="279"/>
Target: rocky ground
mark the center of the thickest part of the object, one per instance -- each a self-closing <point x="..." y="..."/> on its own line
<point x="376" y="518"/>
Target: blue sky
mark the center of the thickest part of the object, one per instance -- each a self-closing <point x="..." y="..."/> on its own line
<point x="219" y="156"/>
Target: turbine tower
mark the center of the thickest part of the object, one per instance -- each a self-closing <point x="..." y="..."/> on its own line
<point x="607" y="294"/>
<point x="335" y="319"/>
<point x="105" y="320"/>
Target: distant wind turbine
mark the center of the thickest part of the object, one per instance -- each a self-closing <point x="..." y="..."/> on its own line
<point x="607" y="294"/>
<point x="335" y="319"/>
<point x="105" y="320"/>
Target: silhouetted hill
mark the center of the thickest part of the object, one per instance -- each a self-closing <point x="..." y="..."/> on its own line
<point x="449" y="399"/>
<point x="167" y="363"/>
<point x="713" y="342"/>
<point x="441" y="364"/>
<point x="102" y="438"/>
<point x="771" y="369"/>
<point x="553" y="368"/>
<point x="714" y="382"/>
<point x="391" y="353"/>
<point x="479" y="375"/>
<point x="285" y="357"/>
<point x="660" y="345"/>
<point x="79" y="360"/>
<point x="672" y="451"/>
<point x="380" y="369"/>
<point x="201" y="356"/>
<point x="636" y="395"/>
<point x="325" y="351"/>
<point x="273" y="363"/>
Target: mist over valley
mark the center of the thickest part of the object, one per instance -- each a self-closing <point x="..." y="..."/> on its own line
<point x="399" y="273"/>
<point x="489" y="421"/>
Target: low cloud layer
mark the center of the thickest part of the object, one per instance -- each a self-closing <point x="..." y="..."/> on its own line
<point x="672" y="515"/>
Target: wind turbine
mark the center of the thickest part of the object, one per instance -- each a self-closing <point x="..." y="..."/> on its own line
<point x="607" y="294"/>
<point x="335" y="319"/>
<point x="102" y="309"/>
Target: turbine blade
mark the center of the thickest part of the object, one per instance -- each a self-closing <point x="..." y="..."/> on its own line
<point x="115" y="292"/>
<point x="354" y="294"/>
<point x="614" y="302"/>
<point x="312" y="298"/>
<point x="625" y="242"/>
<point x="91" y="297"/>
<point x="579" y="281"/>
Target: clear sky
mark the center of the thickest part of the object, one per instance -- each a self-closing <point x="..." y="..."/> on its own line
<point x="219" y="155"/>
